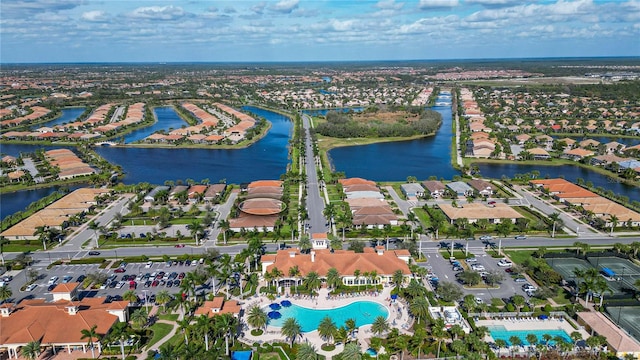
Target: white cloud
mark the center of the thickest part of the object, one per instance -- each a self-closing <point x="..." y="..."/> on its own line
<point x="496" y="3"/>
<point x="259" y="8"/>
<point x="437" y="4"/>
<point x="389" y="5"/>
<point x="37" y="6"/>
<point x="285" y="6"/>
<point x="94" y="16"/>
<point x="169" y="12"/>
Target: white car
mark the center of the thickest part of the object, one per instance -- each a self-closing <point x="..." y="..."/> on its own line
<point x="148" y="265"/>
<point x="31" y="287"/>
<point x="471" y="260"/>
<point x="53" y="280"/>
<point x="477" y="267"/>
<point x="120" y="285"/>
<point x="486" y="238"/>
<point x="505" y="263"/>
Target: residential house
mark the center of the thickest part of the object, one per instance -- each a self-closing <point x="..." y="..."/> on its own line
<point x="150" y="197"/>
<point x="434" y="187"/>
<point x="475" y="211"/>
<point x="412" y="190"/>
<point x="460" y="188"/>
<point x="483" y="187"/>
<point x="217" y="306"/>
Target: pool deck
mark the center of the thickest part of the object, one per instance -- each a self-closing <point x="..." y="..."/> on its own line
<point x="398" y="317"/>
<point x="525" y="324"/>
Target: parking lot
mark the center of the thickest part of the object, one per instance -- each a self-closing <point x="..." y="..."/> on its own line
<point x="443" y="269"/>
<point x="148" y="280"/>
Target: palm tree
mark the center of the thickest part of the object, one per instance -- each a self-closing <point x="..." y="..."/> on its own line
<point x="163" y="297"/>
<point x="351" y="352"/>
<point x="196" y="229"/>
<point x="614" y="222"/>
<point x="333" y="278"/>
<point x="459" y="347"/>
<point x="555" y="219"/>
<point x="5" y="293"/>
<point x="397" y="278"/>
<point x="184" y="325"/>
<point x="312" y="281"/>
<point x="139" y="318"/>
<point x="514" y="341"/>
<point x="291" y="329"/>
<point x="380" y="325"/>
<point x="204" y="325"/>
<point x="294" y="272"/>
<point x="306" y="351"/>
<point x="31" y="350"/>
<point x="168" y="352"/>
<point x="3" y="242"/>
<point x="350" y="324"/>
<point x="438" y="332"/>
<point x="130" y="295"/>
<point x="90" y="334"/>
<point x="257" y="317"/>
<point x="501" y="344"/>
<point x="224" y="225"/>
<point x="419" y="307"/>
<point x="327" y="328"/>
<point x="95" y="226"/>
<point x="356" y="275"/>
<point x="532" y="339"/>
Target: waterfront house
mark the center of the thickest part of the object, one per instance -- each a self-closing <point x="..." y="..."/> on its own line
<point x="412" y="190"/>
<point x="436" y="188"/>
<point x="483" y="187"/>
<point x="460" y="188"/>
<point x="214" y="192"/>
<point x="539" y="154"/>
<point x="577" y="154"/>
<point x="152" y="194"/>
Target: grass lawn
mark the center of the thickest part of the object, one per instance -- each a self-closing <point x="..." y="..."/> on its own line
<point x="423" y="217"/>
<point x="21" y="247"/>
<point x="160" y="330"/>
<point x="270" y="356"/>
<point x="169" y="317"/>
<point x="520" y="256"/>
<point x="563" y="297"/>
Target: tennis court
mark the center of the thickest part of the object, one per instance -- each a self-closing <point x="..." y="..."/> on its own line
<point x="566" y="266"/>
<point x="627" y="317"/>
<point x="624" y="269"/>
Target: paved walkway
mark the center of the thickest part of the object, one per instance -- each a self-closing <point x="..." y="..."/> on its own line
<point x="398" y="317"/>
<point x="157" y="345"/>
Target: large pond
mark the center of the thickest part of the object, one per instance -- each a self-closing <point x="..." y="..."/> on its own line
<point x="68" y="115"/>
<point x="266" y="159"/>
<point x="18" y="201"/>
<point x="167" y="118"/>
<point x="394" y="161"/>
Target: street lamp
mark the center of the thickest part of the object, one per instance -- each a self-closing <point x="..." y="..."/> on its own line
<point x="146" y="303"/>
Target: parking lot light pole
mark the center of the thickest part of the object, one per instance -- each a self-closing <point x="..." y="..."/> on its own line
<point x="146" y="303"/>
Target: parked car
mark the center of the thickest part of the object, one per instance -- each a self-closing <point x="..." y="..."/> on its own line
<point x="520" y="280"/>
<point x="31" y="287"/>
<point x="52" y="280"/>
<point x="66" y="279"/>
<point x="179" y="245"/>
<point x="7" y="278"/>
<point x="51" y="287"/>
<point x="81" y="278"/>
<point x="505" y="263"/>
<point x="119" y="270"/>
<point x="471" y="260"/>
<point x="148" y="265"/>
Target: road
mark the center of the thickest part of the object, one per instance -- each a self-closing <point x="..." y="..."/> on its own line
<point x="315" y="202"/>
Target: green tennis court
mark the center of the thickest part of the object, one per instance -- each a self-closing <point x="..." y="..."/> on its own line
<point x="625" y="270"/>
<point x="627" y="317"/>
<point x="566" y="266"/>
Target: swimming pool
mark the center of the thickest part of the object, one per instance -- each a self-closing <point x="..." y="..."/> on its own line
<point x="241" y="355"/>
<point x="364" y="312"/>
<point x="500" y="332"/>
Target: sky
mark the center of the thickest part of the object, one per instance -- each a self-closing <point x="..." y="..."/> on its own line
<point x="45" y="31"/>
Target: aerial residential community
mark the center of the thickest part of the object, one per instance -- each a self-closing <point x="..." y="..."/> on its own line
<point x="194" y="193"/>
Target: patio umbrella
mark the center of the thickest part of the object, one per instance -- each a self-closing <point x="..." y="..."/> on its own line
<point x="275" y="306"/>
<point x="274" y="315"/>
<point x="285" y="303"/>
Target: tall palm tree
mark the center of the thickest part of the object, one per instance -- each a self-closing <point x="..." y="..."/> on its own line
<point x="306" y="351"/>
<point x="5" y="293"/>
<point x="130" y="295"/>
<point x="31" y="350"/>
<point x="419" y="307"/>
<point x="90" y="334"/>
<point x="226" y="325"/>
<point x="380" y="325"/>
<point x="350" y="324"/>
<point x="163" y="297"/>
<point x="334" y="280"/>
<point x="203" y="324"/>
<point x="294" y="272"/>
<point x="139" y="318"/>
<point x="184" y="325"/>
<point x="614" y="222"/>
<point x="196" y="228"/>
<point x="356" y="275"/>
<point x="555" y="220"/>
<point x="438" y="332"/>
<point x="257" y="317"/>
<point x="224" y="225"/>
<point x="312" y="281"/>
<point x="397" y="278"/>
<point x="3" y="242"/>
<point x="291" y="329"/>
<point x="327" y="328"/>
<point x="351" y="352"/>
<point x="459" y="347"/>
<point x="168" y="351"/>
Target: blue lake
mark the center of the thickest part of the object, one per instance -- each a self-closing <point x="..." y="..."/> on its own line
<point x="18" y="201"/>
<point x="68" y="115"/>
<point x="167" y="119"/>
<point x="266" y="159"/>
<point x="395" y="161"/>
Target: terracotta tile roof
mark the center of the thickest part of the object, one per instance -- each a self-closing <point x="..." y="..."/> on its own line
<point x="37" y="320"/>
<point x="616" y="337"/>
<point x="267" y="183"/>
<point x="354" y="181"/>
<point x="65" y="288"/>
<point x="479" y="211"/>
<point x="346" y="262"/>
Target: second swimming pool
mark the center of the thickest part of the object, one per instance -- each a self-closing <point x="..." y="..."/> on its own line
<point x="363" y="312"/>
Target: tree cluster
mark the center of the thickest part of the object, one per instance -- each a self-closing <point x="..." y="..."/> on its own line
<point x="341" y="125"/>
